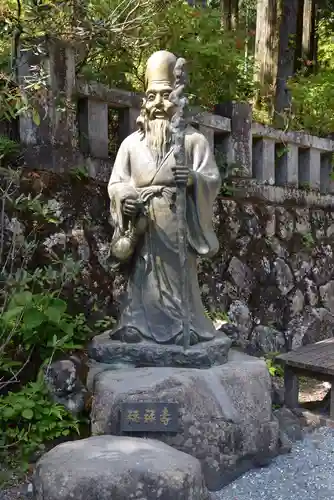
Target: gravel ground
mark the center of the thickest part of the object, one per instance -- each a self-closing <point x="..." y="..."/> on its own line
<point x="307" y="473"/>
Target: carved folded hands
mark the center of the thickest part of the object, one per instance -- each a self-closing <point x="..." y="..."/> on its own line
<point x="133" y="205"/>
<point x="147" y="193"/>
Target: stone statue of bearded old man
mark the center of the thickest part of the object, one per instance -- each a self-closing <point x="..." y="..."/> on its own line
<point x="142" y="190"/>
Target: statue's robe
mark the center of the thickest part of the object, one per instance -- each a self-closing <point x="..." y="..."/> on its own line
<point x="153" y="304"/>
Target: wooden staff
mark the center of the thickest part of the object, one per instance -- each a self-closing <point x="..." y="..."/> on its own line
<point x="179" y="128"/>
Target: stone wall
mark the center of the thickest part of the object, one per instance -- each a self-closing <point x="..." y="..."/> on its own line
<point x="274" y="274"/>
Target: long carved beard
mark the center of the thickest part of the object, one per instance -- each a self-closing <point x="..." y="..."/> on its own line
<point x="158" y="136"/>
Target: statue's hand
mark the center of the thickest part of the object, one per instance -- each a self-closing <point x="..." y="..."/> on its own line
<point x="131" y="207"/>
<point x="148" y="193"/>
<point x="182" y="175"/>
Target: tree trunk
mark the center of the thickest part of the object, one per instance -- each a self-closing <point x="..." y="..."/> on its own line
<point x="276" y="29"/>
<point x="287" y="47"/>
<point x="309" y="39"/>
<point x="230" y="13"/>
<point x="234" y="13"/>
<point x="299" y="36"/>
<point x="266" y="43"/>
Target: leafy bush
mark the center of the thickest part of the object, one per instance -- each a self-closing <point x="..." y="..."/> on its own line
<point x="274" y="368"/>
<point x="313" y="102"/>
<point x="29" y="420"/>
<point x="8" y="149"/>
<point x="35" y="324"/>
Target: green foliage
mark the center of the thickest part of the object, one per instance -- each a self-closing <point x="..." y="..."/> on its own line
<point x="29" y="420"/>
<point x="313" y="92"/>
<point x="35" y="323"/>
<point x="274" y="368"/>
<point x="308" y="241"/>
<point x="219" y="67"/>
<point x="79" y="173"/>
<point x="8" y="149"/>
<point x="12" y="99"/>
<point x="313" y="102"/>
<point x="228" y="171"/>
<point x="38" y="320"/>
<point x="216" y="315"/>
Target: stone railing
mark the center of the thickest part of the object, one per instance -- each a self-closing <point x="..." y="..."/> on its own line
<point x="77" y="131"/>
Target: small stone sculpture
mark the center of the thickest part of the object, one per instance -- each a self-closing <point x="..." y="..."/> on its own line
<point x="64" y="385"/>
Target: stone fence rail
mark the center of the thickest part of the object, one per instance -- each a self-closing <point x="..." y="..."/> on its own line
<point x="268" y="155"/>
<point x="76" y="129"/>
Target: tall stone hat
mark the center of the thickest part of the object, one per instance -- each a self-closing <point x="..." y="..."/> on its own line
<point x="160" y="69"/>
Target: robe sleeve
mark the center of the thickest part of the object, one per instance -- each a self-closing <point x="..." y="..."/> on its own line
<point x="120" y="186"/>
<point x="206" y="186"/>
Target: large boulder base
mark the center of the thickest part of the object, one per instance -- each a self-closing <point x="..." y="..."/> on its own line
<point x="118" y="468"/>
<point x="225" y="413"/>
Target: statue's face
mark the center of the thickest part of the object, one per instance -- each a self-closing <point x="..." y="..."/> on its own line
<point x="158" y="106"/>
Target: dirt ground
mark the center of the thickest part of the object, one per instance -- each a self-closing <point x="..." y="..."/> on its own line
<point x="312" y="390"/>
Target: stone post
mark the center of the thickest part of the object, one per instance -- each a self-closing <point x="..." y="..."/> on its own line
<point x="264" y="160"/>
<point x="326" y="172"/>
<point x="46" y="73"/>
<point x="240" y="114"/>
<point x="309" y="168"/>
<point x="287" y="165"/>
<point x="93" y="126"/>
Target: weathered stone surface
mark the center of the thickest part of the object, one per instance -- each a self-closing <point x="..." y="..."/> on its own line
<point x="234" y="333"/>
<point x="233" y="221"/>
<point x="318" y="222"/>
<point x="311" y="326"/>
<point x="241" y="276"/>
<point x="284" y="223"/>
<point x="330" y="225"/>
<point x="270" y="227"/>
<point x="202" y="355"/>
<point x="284" y="276"/>
<point x="225" y="411"/>
<point x="289" y="423"/>
<point x="311" y="292"/>
<point x="296" y="300"/>
<point x="242" y="245"/>
<point x="267" y="305"/>
<point x="265" y="340"/>
<point x="324" y="264"/>
<point x="301" y="264"/>
<point x="64" y="385"/>
<point x="240" y="316"/>
<point x="264" y="269"/>
<point x="277" y="392"/>
<point x="303" y="224"/>
<point x="278" y="248"/>
<point x="250" y="221"/>
<point x="122" y="468"/>
<point x="327" y="295"/>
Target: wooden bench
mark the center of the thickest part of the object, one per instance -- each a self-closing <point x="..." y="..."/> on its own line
<point x="314" y="361"/>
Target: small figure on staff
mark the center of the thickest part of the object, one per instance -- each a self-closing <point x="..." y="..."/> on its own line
<point x="143" y="189"/>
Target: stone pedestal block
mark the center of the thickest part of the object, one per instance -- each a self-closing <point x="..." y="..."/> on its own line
<point x="225" y="414"/>
<point x="116" y="353"/>
<point x="118" y="468"/>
